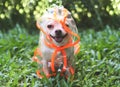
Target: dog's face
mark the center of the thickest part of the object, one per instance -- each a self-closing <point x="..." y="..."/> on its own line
<point x="56" y="31"/>
<point x="54" y="28"/>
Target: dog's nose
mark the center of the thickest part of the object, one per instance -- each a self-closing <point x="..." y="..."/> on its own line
<point x="58" y="32"/>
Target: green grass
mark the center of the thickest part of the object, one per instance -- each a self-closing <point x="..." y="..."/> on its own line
<point x="97" y="64"/>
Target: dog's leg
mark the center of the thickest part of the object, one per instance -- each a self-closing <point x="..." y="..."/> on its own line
<point x="45" y="67"/>
<point x="70" y="69"/>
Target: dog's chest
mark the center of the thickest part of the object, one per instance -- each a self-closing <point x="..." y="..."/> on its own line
<point x="48" y="52"/>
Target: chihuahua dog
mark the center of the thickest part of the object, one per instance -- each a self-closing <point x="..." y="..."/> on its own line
<point x="53" y="32"/>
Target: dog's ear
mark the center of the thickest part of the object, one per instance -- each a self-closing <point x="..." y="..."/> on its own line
<point x="74" y="25"/>
<point x="41" y="21"/>
<point x="39" y="24"/>
<point x="71" y="23"/>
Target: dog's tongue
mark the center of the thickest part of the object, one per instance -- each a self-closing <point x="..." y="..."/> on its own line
<point x="58" y="39"/>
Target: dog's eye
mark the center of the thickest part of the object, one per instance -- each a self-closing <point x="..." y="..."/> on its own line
<point x="67" y="25"/>
<point x="50" y="26"/>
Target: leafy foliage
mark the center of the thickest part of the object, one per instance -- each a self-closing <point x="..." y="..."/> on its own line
<point x="97" y="64"/>
<point x="88" y="13"/>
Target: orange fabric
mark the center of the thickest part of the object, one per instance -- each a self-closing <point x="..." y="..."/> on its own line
<point x="37" y="52"/>
<point x="35" y="59"/>
<point x="72" y="71"/>
<point x="76" y="48"/>
<point x="38" y="74"/>
<point x="58" y="49"/>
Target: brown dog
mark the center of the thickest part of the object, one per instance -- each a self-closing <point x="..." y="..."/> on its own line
<point x="57" y="27"/>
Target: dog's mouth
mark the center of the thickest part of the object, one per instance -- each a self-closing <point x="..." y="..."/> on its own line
<point x="59" y="38"/>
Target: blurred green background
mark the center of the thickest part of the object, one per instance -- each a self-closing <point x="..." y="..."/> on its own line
<point x="94" y="14"/>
